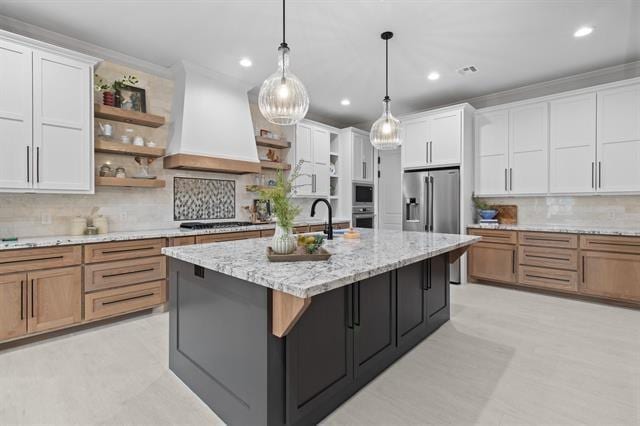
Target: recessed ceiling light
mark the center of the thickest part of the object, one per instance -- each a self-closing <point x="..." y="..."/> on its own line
<point x="433" y="75"/>
<point x="345" y="102"/>
<point x="246" y="62"/>
<point x="583" y="31"/>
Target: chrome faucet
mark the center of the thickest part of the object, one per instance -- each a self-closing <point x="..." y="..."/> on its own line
<point x="328" y="230"/>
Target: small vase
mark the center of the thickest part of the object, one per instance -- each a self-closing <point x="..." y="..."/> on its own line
<point x="283" y="241"/>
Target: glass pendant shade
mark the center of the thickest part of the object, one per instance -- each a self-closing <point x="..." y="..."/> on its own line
<point x="385" y="132"/>
<point x="283" y="99"/>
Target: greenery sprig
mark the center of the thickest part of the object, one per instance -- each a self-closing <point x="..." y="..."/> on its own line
<point x="281" y="194"/>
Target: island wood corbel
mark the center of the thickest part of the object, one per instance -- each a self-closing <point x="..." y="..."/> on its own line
<point x="286" y="311"/>
<point x="457" y="253"/>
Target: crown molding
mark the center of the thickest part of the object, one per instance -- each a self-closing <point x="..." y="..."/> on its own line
<point x="40" y="34"/>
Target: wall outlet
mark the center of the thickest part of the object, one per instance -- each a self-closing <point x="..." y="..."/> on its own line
<point x="45" y="218"/>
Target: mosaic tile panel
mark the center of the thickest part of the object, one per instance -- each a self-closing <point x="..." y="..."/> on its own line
<point x="199" y="199"/>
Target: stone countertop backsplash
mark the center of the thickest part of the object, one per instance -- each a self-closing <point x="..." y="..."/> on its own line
<point x="377" y="251"/>
<point x="65" y="240"/>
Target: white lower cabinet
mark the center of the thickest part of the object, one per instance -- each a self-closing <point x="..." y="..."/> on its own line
<point x="46" y="118"/>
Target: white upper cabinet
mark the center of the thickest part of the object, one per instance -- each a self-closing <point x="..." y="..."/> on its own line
<point x="433" y="140"/>
<point x="362" y="157"/>
<point x="445" y="138"/>
<point x="312" y="147"/>
<point x="528" y="144"/>
<point x="492" y="152"/>
<point x="414" y="143"/>
<point x="618" y="150"/>
<point x="62" y="123"/>
<point x="572" y="144"/>
<point x="46" y="118"/>
<point x="15" y="116"/>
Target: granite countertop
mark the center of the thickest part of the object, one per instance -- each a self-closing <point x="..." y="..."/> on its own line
<point x="65" y="240"/>
<point x="569" y="229"/>
<point x="377" y="251"/>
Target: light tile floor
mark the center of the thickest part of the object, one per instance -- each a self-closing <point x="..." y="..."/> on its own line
<point x="506" y="357"/>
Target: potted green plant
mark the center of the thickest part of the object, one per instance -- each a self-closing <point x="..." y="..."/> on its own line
<point x="283" y="208"/>
<point x="118" y="85"/>
<point x="484" y="210"/>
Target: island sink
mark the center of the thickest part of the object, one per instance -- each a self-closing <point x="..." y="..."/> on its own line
<point x="286" y="343"/>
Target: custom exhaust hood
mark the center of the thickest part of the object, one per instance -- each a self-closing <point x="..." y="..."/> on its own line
<point x="212" y="127"/>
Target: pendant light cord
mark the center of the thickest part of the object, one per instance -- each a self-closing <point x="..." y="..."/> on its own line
<point x="283" y="24"/>
<point x="386" y="92"/>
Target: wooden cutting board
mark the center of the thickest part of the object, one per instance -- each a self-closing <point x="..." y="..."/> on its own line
<point x="507" y="215"/>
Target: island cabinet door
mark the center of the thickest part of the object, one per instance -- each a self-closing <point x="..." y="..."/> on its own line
<point x="319" y="357"/>
<point x="437" y="290"/>
<point x="411" y="304"/>
<point x="374" y="324"/>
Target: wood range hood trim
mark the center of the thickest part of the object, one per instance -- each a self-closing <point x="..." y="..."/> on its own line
<point x="204" y="163"/>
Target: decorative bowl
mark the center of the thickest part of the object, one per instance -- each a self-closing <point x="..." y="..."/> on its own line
<point x="488" y="214"/>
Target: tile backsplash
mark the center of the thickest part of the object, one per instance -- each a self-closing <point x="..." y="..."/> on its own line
<point x="599" y="210"/>
<point x="200" y="199"/>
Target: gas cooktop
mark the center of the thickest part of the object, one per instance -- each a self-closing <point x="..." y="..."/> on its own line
<point x="213" y="225"/>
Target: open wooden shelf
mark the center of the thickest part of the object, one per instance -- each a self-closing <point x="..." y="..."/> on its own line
<point x="114" y="147"/>
<point x="133" y="117"/>
<point x="275" y="165"/>
<point x="272" y="143"/>
<point x="130" y="182"/>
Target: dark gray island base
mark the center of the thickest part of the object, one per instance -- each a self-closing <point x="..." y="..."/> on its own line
<point x="222" y="343"/>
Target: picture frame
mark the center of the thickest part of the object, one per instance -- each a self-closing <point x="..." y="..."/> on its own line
<point x="133" y="98"/>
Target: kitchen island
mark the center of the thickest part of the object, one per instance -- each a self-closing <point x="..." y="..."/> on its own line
<point x="287" y="343"/>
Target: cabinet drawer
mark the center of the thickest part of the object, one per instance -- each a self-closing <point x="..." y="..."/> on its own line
<point x="548" y="257"/>
<point x="341" y="225"/>
<point x="182" y="241"/>
<point x="610" y="243"/>
<point x="267" y="233"/>
<point x="495" y="236"/>
<point x="300" y="229"/>
<point x="23" y="260"/>
<point x="122" y="250"/>
<point x="548" y="278"/>
<point x="227" y="236"/>
<point x="549" y="239"/>
<point x="101" y="276"/>
<point x="493" y="262"/>
<point x="106" y="303"/>
<point x="316" y="228"/>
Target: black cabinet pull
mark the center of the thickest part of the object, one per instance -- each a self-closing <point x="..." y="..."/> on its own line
<point x="127" y="299"/>
<point x="513" y="261"/>
<point x="21" y="300"/>
<point x="137" y="271"/>
<point x="599" y="174"/>
<point x="583" y="269"/>
<point x="349" y="301"/>
<point x="28" y="166"/>
<point x="593" y="174"/>
<point x="32" y="314"/>
<point x="37" y="164"/>
<point x="356" y="310"/>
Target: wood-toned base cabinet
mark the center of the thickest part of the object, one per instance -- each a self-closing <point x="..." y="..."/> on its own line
<point x="596" y="266"/>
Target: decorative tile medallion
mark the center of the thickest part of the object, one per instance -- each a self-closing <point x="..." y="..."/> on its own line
<point x="198" y="199"/>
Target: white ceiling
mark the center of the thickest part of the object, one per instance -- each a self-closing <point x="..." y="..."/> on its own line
<point x="336" y="48"/>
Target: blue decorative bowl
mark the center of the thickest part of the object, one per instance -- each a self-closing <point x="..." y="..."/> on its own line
<point x="488" y="214"/>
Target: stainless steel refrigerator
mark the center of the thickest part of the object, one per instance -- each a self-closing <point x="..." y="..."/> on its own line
<point x="431" y="201"/>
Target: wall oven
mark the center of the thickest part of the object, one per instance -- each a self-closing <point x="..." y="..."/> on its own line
<point x="362" y="194"/>
<point x="363" y="217"/>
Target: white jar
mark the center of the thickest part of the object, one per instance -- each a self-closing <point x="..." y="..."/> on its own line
<point x="283" y="241"/>
<point x="102" y="224"/>
<point x="78" y="225"/>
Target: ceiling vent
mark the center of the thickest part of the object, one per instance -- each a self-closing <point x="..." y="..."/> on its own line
<point x="467" y="70"/>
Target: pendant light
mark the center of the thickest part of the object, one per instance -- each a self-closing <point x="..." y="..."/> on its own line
<point x="283" y="99"/>
<point x="385" y="132"/>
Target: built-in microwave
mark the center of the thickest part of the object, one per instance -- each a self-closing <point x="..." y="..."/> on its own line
<point x="362" y="194"/>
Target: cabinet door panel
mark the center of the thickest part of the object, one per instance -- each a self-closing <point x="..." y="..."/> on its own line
<point x="445" y="137"/>
<point x="13" y="305"/>
<point x="619" y="139"/>
<point x="374" y="322"/>
<point x="367" y="158"/>
<point x="528" y="144"/>
<point x="357" y="169"/>
<point x="304" y="149"/>
<point x="15" y="116"/>
<point x="55" y="298"/>
<point x="63" y="147"/>
<point x="438" y="288"/>
<point x="304" y="182"/>
<point x="322" y="180"/>
<point x="492" y="262"/>
<point x="492" y="152"/>
<point x="613" y="275"/>
<point x="572" y="144"/>
<point x="410" y="295"/>
<point x="321" y="146"/>
<point x="414" y="144"/>
<point x="319" y="358"/>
